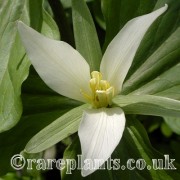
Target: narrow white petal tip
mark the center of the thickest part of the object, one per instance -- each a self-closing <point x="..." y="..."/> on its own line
<point x="121" y="51"/>
<point x="100" y="132"/>
<point x="20" y="25"/>
<point x="166" y="6"/>
<point x="19" y="22"/>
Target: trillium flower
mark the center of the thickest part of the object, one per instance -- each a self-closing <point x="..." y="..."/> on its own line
<point x="65" y="71"/>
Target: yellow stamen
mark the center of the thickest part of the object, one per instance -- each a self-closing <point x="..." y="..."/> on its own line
<point x="101" y="91"/>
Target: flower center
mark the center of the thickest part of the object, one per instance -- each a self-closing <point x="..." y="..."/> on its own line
<point x="102" y="92"/>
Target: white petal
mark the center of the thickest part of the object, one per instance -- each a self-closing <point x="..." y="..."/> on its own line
<point x="60" y="66"/>
<point x="100" y="132"/>
<point x="121" y="51"/>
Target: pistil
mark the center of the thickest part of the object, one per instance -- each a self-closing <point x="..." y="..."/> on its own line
<point x="101" y="91"/>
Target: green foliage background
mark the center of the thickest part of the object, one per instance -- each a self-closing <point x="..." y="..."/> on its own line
<point x="151" y="92"/>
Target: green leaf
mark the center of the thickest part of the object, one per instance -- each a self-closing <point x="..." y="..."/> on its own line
<point x="13" y="141"/>
<point x="61" y="128"/>
<point x="173" y="123"/>
<point x="13" y="63"/>
<point x="68" y="3"/>
<point x="163" y="84"/>
<point x="166" y="57"/>
<point x="98" y="15"/>
<point x="71" y="152"/>
<point x="37" y="103"/>
<point x="86" y="39"/>
<point x="119" y="12"/>
<point x="136" y="139"/>
<point x="172" y="92"/>
<point x="30" y="123"/>
<point x="49" y="27"/>
<point x="155" y="65"/>
<point x="167" y="132"/>
<point x="61" y="17"/>
<point x="148" y="105"/>
<point x="35" y="13"/>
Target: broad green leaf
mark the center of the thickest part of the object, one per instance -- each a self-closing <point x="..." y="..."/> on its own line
<point x="13" y="63"/>
<point x="162" y="84"/>
<point x="85" y="35"/>
<point x="61" y="128"/>
<point x="173" y="92"/>
<point x="30" y="123"/>
<point x="148" y="105"/>
<point x="160" y="67"/>
<point x="37" y="103"/>
<point x="173" y="123"/>
<point x="119" y="12"/>
<point x="133" y="145"/>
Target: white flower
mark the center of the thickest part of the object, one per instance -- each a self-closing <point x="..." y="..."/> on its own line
<point x="65" y="71"/>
